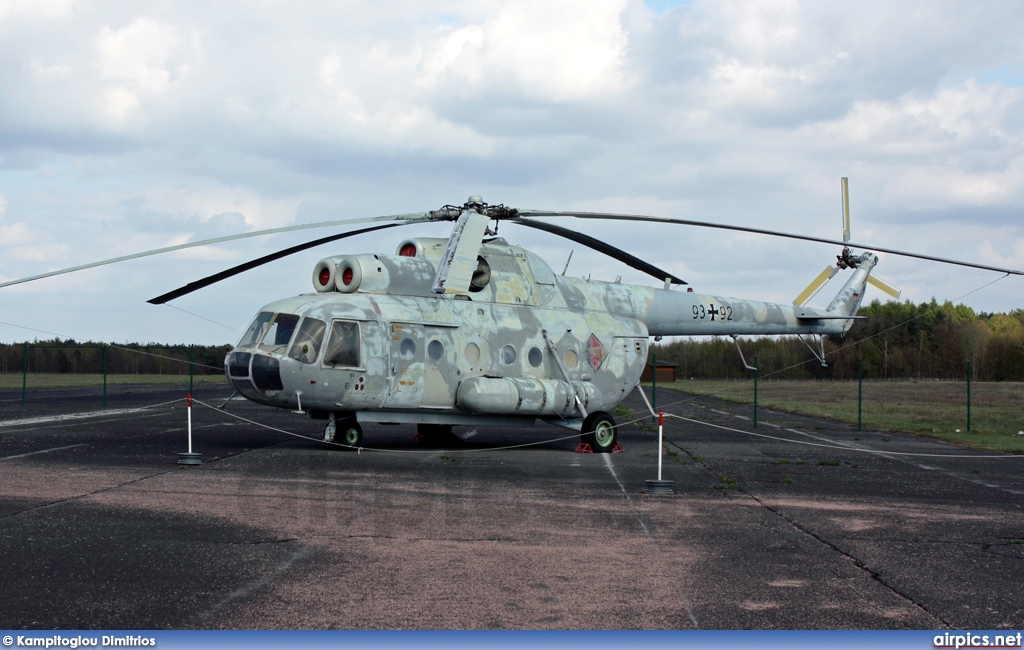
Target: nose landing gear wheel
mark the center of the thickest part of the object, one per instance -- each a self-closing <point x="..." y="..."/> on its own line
<point x="352" y="434"/>
<point x="599" y="432"/>
<point x="345" y="432"/>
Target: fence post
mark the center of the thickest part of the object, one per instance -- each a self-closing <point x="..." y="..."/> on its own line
<point x="104" y="375"/>
<point x="191" y="366"/>
<point x="860" y="394"/>
<point x="654" y="384"/>
<point x="755" y="391"/>
<point x="24" y="372"/>
<point x="970" y="369"/>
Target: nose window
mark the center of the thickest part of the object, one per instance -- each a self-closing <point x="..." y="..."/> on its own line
<point x="257" y="328"/>
<point x="279" y="333"/>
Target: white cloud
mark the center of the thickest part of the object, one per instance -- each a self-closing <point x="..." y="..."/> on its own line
<point x="138" y="55"/>
<point x="33" y="10"/>
<point x="536" y="49"/>
<point x="258" y="212"/>
<point x="133" y="126"/>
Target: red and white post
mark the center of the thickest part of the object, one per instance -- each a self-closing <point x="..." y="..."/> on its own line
<point x="661" y="439"/>
<point x="660" y="485"/>
<point x="189" y="457"/>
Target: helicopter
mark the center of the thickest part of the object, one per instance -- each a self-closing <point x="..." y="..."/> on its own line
<point x="471" y="330"/>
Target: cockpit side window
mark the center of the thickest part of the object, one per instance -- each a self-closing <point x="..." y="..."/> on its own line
<point x="306" y="347"/>
<point x="279" y="333"/>
<point x="343" y="346"/>
<point x="257" y="328"/>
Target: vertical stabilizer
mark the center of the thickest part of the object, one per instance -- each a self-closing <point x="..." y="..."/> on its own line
<point x="848" y="300"/>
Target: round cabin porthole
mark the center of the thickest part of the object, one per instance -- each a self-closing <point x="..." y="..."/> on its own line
<point x="472" y="352"/>
<point x="407" y="349"/>
<point x="571" y="359"/>
<point x="535" y="357"/>
<point x="508" y="355"/>
<point x="435" y="350"/>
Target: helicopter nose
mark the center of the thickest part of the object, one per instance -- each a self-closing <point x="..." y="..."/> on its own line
<point x="254" y="375"/>
<point x="266" y="373"/>
<point x="238" y="365"/>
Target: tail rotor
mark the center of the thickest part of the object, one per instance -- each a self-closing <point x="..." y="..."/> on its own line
<point x="845" y="260"/>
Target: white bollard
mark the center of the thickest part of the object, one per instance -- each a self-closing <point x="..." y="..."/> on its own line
<point x="189" y="457"/>
<point x="661" y="438"/>
<point x="660" y="486"/>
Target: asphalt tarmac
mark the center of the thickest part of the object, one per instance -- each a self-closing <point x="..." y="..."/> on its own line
<point x="799" y="523"/>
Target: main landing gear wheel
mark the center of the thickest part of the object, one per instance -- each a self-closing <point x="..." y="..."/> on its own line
<point x="599" y="432"/>
<point x="345" y="432"/>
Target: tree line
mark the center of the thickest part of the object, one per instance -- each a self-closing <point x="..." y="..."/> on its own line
<point x="69" y="356"/>
<point x="895" y="341"/>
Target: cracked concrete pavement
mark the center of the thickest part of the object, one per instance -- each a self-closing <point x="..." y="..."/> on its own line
<point x="809" y="528"/>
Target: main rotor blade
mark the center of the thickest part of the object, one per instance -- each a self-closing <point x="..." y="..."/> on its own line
<point x="415" y="217"/>
<point x="759" y="231"/>
<point x="602" y="247"/>
<point x="459" y="261"/>
<point x="241" y="268"/>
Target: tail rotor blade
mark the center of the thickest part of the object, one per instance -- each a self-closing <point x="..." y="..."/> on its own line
<point x="846" y="210"/>
<point x="816" y="283"/>
<point x="884" y="286"/>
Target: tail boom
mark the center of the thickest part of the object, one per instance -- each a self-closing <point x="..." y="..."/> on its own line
<point x="675" y="313"/>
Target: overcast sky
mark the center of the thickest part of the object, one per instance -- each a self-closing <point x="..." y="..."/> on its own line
<point x="126" y="126"/>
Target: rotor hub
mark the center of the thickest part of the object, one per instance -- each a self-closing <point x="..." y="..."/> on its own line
<point x="847" y="260"/>
<point x="474" y="204"/>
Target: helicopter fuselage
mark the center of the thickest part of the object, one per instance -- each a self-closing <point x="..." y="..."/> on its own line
<point x="377" y="344"/>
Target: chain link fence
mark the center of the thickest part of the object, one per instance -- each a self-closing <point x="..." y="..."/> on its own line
<point x="983" y="414"/>
<point x="989" y="415"/>
<point x="100" y="375"/>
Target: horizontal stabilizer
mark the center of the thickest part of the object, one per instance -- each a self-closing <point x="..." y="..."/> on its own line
<point x="828" y="317"/>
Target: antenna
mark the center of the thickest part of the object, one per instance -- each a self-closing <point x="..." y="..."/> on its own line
<point x="566" y="267"/>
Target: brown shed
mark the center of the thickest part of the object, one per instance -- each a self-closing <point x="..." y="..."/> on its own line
<point x="666" y="371"/>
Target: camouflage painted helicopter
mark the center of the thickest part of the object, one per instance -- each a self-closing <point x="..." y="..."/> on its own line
<point x="471" y="330"/>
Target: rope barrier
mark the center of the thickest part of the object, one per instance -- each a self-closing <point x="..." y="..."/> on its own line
<point x="376" y="449"/>
<point x="617" y="426"/>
